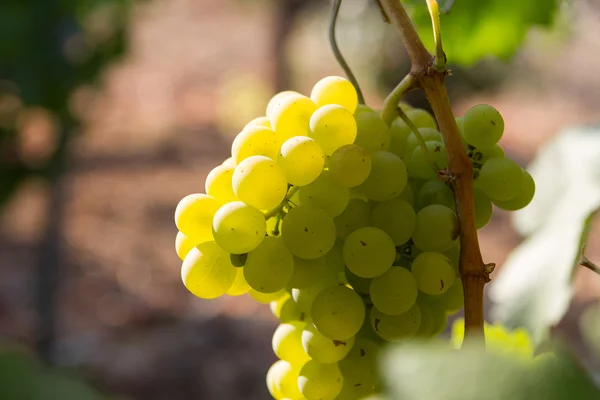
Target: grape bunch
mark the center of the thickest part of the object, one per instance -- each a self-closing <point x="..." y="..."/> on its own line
<point x="346" y="226"/>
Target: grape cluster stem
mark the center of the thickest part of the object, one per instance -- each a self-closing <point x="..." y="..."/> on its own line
<point x="428" y="74"/>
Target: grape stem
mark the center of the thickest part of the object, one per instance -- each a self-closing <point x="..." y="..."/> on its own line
<point x="277" y="209"/>
<point x="585" y="262"/>
<point x="431" y="79"/>
<point x="335" y="9"/>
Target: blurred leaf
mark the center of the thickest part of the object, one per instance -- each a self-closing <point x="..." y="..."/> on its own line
<point x="534" y="288"/>
<point x="432" y="371"/>
<point x="590" y="327"/>
<point x="22" y="378"/>
<point x="475" y="29"/>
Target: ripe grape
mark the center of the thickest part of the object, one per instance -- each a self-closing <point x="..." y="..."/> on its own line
<point x="194" y="214"/>
<point x="483" y="208"/>
<point x="435" y="192"/>
<point x="319" y="381"/>
<point x="372" y="132"/>
<point x="394" y="292"/>
<point x="500" y="179"/>
<point x="285" y="309"/>
<point x="259" y="121"/>
<point x="255" y="140"/>
<point x="276" y="100"/>
<point x="396" y="218"/>
<point x="483" y="126"/>
<point x="522" y="198"/>
<point x="356" y="215"/>
<point x="338" y="312"/>
<point x="332" y="126"/>
<point x="420" y="163"/>
<point x="433" y="272"/>
<point x="359" y="379"/>
<point x="395" y="328"/>
<point x="301" y="160"/>
<point x="326" y="194"/>
<point x="239" y="286"/>
<point x="291" y="115"/>
<point x="387" y="179"/>
<point x="436" y="228"/>
<point x="304" y="298"/>
<point x="360" y="285"/>
<point x="428" y="135"/>
<point x="399" y="132"/>
<point x="183" y="245"/>
<point x="269" y="267"/>
<point x="427" y="322"/>
<point x="259" y="182"/>
<point x="308" y="231"/>
<point x="266" y="298"/>
<point x="323" y="349"/>
<point x="207" y="272"/>
<point x="218" y="184"/>
<point x="369" y="252"/>
<point x="308" y="271"/>
<point x="274" y="376"/>
<point x="239" y="228"/>
<point x="335" y="90"/>
<point x="286" y="380"/>
<point x="287" y="343"/>
<point x="350" y="165"/>
<point x="421" y="118"/>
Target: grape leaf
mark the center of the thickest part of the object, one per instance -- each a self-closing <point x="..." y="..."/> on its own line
<point x="475" y="29"/>
<point x="534" y="288"/>
<point x="428" y="371"/>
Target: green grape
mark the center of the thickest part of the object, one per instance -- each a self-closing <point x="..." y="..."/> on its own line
<point x="301" y="159"/>
<point x="436" y="228"/>
<point x="372" y="132"/>
<point x="258" y="181"/>
<point x="394" y="328"/>
<point x="338" y="312"/>
<point x="308" y="231"/>
<point x="435" y="192"/>
<point x="394" y="292"/>
<point x="433" y="272"/>
<point x="255" y="140"/>
<point x="239" y="228"/>
<point x="350" y="165"/>
<point x="332" y="127"/>
<point x="359" y="379"/>
<point x="238" y="260"/>
<point x="325" y="194"/>
<point x="387" y="179"/>
<point x="276" y="100"/>
<point x="419" y="163"/>
<point x="266" y="298"/>
<point x="439" y="318"/>
<point x="183" y="245"/>
<point x="218" y="184"/>
<point x="523" y="196"/>
<point x="291" y="116"/>
<point x="427" y="322"/>
<point x="323" y="349"/>
<point x="360" y="285"/>
<point x="454" y="255"/>
<point x="335" y="257"/>
<point x="453" y="300"/>
<point x="274" y="376"/>
<point x="408" y="194"/>
<point x="288" y="381"/>
<point x="269" y="267"/>
<point x="356" y="215"/>
<point x="396" y="218"/>
<point x="365" y="351"/>
<point x="207" y="272"/>
<point x="367" y="332"/>
<point x="306" y="272"/>
<point x="287" y="343"/>
<point x="335" y="90"/>
<point x="500" y="179"/>
<point x="421" y="118"/>
<point x="428" y="135"/>
<point x="194" y="215"/>
<point x="399" y="132"/>
<point x="483" y="126"/>
<point x="304" y="298"/>
<point x="493" y="152"/>
<point x="259" y="121"/>
<point x="239" y="286"/>
<point x="369" y="252"/>
<point x="285" y="309"/>
<point x="363" y="108"/>
<point x="483" y="208"/>
<point x="319" y="381"/>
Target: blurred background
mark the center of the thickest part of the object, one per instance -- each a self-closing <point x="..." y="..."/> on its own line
<point x="112" y="111"/>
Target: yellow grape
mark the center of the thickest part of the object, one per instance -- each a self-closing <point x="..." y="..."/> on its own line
<point x="194" y="214"/>
<point x="335" y="90"/>
<point x="291" y="116"/>
<point x="255" y="141"/>
<point x="259" y="182"/>
<point x="218" y="183"/>
<point x="207" y="271"/>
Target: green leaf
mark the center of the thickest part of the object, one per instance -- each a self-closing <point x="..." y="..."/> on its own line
<point x="534" y="288"/>
<point x="475" y="29"/>
<point x="428" y="371"/>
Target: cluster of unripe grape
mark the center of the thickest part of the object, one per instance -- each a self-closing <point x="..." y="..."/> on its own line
<point x="346" y="226"/>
